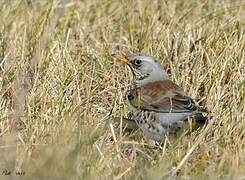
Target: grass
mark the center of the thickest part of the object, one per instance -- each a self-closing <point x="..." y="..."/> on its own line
<point x="62" y="95"/>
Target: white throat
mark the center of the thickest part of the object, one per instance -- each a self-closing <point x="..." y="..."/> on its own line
<point x="153" y="76"/>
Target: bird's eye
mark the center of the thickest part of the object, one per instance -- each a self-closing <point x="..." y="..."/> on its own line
<point x="137" y="62"/>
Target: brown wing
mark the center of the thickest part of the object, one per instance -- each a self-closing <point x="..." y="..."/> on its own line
<point x="162" y="96"/>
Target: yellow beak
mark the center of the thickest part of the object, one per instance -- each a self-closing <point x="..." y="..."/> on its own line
<point x="121" y="57"/>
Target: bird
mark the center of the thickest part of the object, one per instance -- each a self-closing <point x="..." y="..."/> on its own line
<point x="158" y="106"/>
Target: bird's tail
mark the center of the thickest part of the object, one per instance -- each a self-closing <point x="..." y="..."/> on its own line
<point x="203" y="117"/>
<point x="200" y="119"/>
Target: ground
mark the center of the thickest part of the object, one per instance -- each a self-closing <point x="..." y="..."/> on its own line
<point x="62" y="97"/>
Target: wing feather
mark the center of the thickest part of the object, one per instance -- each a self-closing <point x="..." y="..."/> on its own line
<point x="162" y="96"/>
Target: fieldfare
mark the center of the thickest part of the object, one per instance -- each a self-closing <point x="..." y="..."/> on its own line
<point x="158" y="106"/>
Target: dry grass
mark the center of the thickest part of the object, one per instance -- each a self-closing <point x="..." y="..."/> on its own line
<point x="62" y="94"/>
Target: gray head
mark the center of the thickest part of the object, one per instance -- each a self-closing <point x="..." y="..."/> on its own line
<point x="145" y="68"/>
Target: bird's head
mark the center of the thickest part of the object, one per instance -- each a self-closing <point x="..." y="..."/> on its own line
<point x="145" y="68"/>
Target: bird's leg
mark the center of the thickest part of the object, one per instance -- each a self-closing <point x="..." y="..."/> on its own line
<point x="128" y="122"/>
